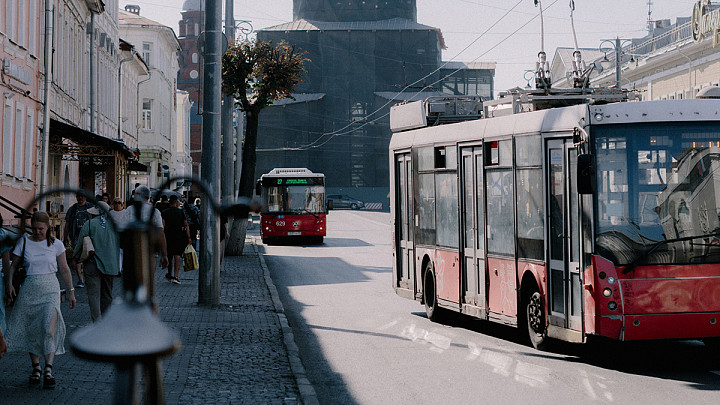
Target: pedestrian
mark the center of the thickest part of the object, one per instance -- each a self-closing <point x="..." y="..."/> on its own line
<point x="36" y="325"/>
<point x="105" y="198"/>
<point x="192" y="215"/>
<point x="147" y="213"/>
<point x="163" y="204"/>
<point x="102" y="266"/>
<point x="177" y="235"/>
<point x="74" y="221"/>
<point x="4" y="264"/>
<point x="117" y="217"/>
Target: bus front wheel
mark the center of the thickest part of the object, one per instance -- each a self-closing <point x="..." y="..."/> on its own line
<point x="535" y="317"/>
<point x="434" y="313"/>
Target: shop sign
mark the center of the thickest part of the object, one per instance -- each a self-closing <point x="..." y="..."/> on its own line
<point x="705" y="20"/>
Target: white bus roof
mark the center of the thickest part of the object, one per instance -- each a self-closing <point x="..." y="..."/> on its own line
<point x="561" y="119"/>
<point x="292" y="172"/>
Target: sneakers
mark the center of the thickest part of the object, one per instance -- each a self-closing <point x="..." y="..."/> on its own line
<point x="175" y="280"/>
<point x="168" y="277"/>
<point x="80" y="284"/>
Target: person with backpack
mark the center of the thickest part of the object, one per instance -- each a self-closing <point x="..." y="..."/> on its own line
<point x="75" y="218"/>
<point x="103" y="264"/>
<point x="192" y="215"/>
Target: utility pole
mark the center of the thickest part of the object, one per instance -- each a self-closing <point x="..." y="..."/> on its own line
<point x="209" y="277"/>
<point x="228" y="134"/>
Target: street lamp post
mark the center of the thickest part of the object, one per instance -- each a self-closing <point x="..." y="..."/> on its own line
<point x="617" y="44"/>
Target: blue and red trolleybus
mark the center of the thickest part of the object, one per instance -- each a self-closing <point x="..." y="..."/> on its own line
<point x="293" y="201"/>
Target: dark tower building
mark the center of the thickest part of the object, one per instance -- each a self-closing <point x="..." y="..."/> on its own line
<point x="190" y="74"/>
<point x="367" y="10"/>
<point x="365" y="56"/>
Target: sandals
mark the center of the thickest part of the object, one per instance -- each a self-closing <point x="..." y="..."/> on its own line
<point x="48" y="379"/>
<point x="35" y="376"/>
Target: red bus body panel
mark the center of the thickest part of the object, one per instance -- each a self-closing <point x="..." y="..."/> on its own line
<point x="273" y="225"/>
<point x="502" y="292"/>
<point x="657" y="302"/>
<point x="447" y="275"/>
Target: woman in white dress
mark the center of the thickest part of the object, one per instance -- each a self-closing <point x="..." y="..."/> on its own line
<point x="36" y="324"/>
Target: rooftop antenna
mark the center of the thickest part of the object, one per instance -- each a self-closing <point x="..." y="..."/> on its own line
<point x="542" y="67"/>
<point x="649" y="21"/>
<point x="580" y="73"/>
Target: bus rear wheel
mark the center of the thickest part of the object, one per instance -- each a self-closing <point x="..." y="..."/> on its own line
<point x="434" y="313"/>
<point x="535" y="317"/>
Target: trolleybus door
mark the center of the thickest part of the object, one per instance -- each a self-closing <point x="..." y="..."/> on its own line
<point x="564" y="286"/>
<point x="473" y="226"/>
<point x="403" y="220"/>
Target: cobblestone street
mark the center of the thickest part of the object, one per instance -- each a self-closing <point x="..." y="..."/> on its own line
<point x="234" y="353"/>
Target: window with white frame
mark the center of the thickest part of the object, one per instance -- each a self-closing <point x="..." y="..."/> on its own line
<point x="147" y="52"/>
<point x="29" y="143"/>
<point x="22" y="26"/>
<point x="19" y="138"/>
<point x="32" y="28"/>
<point x="147" y="114"/>
<point x="7" y="136"/>
<point x="9" y="20"/>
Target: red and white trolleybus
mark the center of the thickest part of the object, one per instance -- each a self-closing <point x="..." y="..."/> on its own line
<point x="293" y="201"/>
<point x="567" y="213"/>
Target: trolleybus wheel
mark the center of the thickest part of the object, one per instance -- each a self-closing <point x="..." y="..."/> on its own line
<point x="535" y="316"/>
<point x="434" y="313"/>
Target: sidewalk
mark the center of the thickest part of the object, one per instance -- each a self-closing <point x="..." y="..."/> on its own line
<point x="241" y="352"/>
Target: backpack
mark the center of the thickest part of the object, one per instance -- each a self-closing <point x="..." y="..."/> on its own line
<point x="190" y="215"/>
<point x="81" y="216"/>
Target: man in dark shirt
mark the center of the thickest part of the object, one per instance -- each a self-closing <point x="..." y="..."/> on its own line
<point x="177" y="235"/>
<point x="163" y="204"/>
<point x="75" y="218"/>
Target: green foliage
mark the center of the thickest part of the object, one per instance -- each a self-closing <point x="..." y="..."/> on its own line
<point x="258" y="73"/>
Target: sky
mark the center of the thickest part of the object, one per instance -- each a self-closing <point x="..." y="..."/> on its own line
<point x="506" y="32"/>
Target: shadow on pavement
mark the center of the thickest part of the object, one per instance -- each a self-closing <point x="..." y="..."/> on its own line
<point x="679" y="360"/>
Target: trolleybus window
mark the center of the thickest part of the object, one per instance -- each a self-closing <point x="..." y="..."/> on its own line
<point x="530" y="214"/>
<point x="657" y="183"/>
<point x="500" y="227"/>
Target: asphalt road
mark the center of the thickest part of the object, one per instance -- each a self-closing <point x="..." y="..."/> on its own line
<point x="362" y="344"/>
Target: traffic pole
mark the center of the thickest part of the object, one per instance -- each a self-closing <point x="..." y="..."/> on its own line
<point x="209" y="272"/>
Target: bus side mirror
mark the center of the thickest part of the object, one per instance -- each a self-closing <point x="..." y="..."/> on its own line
<point x="258" y="188"/>
<point x="586" y="174"/>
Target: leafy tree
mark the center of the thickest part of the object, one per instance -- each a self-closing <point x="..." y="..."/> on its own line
<point x="256" y="74"/>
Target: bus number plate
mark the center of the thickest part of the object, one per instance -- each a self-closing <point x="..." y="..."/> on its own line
<point x="294" y="233"/>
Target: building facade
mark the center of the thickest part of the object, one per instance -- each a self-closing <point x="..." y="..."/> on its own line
<point x="673" y="61"/>
<point x="182" y="162"/>
<point x="364" y="57"/>
<point x="159" y="48"/>
<point x="21" y="108"/>
<point x="190" y="74"/>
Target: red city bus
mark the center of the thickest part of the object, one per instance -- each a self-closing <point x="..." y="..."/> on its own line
<point x="293" y="201"/>
<point x="585" y="215"/>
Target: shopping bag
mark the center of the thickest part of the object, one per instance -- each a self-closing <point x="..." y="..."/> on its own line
<point x="87" y="248"/>
<point x="190" y="259"/>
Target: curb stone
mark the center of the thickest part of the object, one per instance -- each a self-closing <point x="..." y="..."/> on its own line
<point x="307" y="391"/>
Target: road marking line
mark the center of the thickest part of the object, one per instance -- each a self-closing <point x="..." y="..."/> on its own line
<point x="715" y="372"/>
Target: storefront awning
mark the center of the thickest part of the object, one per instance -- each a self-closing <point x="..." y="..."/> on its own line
<point x="85" y="143"/>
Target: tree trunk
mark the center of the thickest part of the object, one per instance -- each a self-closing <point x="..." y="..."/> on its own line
<point x="236" y="242"/>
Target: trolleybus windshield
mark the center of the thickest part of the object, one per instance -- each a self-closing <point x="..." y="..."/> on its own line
<point x="658" y="192"/>
<point x="295" y="199"/>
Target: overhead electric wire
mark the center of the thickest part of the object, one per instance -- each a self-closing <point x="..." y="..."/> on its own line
<point x="339" y="132"/>
<point x="333" y="134"/>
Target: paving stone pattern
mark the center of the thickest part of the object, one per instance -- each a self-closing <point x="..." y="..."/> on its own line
<point x="234" y="353"/>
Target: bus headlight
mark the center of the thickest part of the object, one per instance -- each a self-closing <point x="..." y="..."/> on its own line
<point x="611" y="280"/>
<point x="612" y="305"/>
<point x="607" y="292"/>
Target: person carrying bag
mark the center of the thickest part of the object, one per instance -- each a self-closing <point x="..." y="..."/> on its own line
<point x="100" y="254"/>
